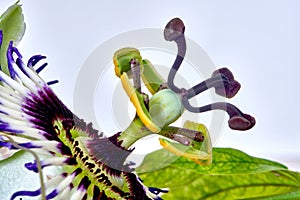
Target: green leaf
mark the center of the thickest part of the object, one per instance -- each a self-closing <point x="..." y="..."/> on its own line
<point x="189" y="185"/>
<point x="13" y="28"/>
<point x="225" y="161"/>
<point x="232" y="175"/>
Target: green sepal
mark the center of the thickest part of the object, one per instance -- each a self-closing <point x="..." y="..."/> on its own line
<point x="13" y="28"/>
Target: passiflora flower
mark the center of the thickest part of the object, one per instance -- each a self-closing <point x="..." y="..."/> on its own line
<point x="93" y="166"/>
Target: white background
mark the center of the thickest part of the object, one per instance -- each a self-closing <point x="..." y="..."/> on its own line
<point x="257" y="39"/>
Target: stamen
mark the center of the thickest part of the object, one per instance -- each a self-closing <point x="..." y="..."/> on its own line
<point x="237" y="121"/>
<point x="174" y="31"/>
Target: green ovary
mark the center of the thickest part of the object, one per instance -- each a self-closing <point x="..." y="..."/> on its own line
<point x="165" y="107"/>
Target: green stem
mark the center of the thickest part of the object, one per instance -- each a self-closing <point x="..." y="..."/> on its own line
<point x="135" y="131"/>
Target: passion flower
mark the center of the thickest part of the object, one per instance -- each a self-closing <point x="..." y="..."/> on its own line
<point x="33" y="118"/>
